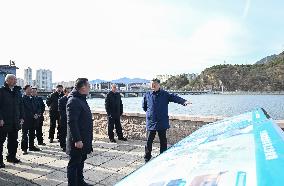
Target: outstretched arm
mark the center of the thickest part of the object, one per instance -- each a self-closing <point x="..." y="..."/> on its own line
<point x="176" y="99"/>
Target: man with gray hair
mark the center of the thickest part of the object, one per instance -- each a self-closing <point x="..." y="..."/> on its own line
<point x="11" y="118"/>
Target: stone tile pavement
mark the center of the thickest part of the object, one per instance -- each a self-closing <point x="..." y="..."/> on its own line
<point x="108" y="164"/>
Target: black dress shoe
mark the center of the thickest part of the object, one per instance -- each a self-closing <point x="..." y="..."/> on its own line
<point x="112" y="140"/>
<point x="147" y="160"/>
<point x="51" y="141"/>
<point x="13" y="160"/>
<point x="34" y="149"/>
<point x="25" y="152"/>
<point x="42" y="144"/>
<point x="122" y="139"/>
<point x="2" y="165"/>
<point x="83" y="183"/>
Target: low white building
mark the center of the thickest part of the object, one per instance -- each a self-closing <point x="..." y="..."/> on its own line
<point x="64" y="84"/>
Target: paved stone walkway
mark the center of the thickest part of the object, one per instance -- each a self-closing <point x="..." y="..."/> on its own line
<point x="108" y="164"/>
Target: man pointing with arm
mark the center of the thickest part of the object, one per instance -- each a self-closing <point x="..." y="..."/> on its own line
<point x="155" y="104"/>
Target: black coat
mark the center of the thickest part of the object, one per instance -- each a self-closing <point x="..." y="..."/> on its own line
<point x="31" y="107"/>
<point x="79" y="123"/>
<point x="11" y="108"/>
<point x="113" y="105"/>
<point x="41" y="105"/>
<point x="62" y="102"/>
<point x="52" y="103"/>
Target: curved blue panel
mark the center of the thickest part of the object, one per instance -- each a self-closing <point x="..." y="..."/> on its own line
<point x="243" y="150"/>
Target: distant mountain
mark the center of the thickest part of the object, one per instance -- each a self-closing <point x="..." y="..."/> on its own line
<point x="271" y="58"/>
<point x="124" y="80"/>
<point x="267" y="59"/>
<point x="97" y="81"/>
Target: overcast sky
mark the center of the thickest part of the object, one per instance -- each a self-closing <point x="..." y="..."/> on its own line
<point x="137" y="38"/>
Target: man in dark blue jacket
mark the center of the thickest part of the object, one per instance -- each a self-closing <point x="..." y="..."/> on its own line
<point x="32" y="113"/>
<point x="79" y="131"/>
<point x="155" y="104"/>
<point x="41" y="105"/>
<point x="62" y="102"/>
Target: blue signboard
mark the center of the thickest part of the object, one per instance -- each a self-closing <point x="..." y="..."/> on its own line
<point x="244" y="150"/>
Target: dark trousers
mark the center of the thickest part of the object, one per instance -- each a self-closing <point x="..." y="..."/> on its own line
<point x="12" y="143"/>
<point x="28" y="137"/>
<point x="150" y="138"/>
<point x="63" y="133"/>
<point x="53" y="119"/>
<point x="114" y="122"/>
<point x="75" y="169"/>
<point x="39" y="134"/>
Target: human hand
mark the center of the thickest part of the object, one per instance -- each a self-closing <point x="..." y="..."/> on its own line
<point x="21" y="121"/>
<point x="1" y="123"/>
<point x="79" y="144"/>
<point x="187" y="103"/>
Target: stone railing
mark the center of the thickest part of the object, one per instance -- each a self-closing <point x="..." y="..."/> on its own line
<point x="133" y="125"/>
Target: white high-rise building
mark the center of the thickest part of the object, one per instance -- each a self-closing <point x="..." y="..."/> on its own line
<point x="28" y="76"/>
<point x="44" y="79"/>
<point x="20" y="82"/>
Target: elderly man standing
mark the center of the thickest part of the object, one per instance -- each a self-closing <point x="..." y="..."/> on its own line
<point x="114" y="109"/>
<point x="79" y="131"/>
<point x="155" y="104"/>
<point x="11" y="117"/>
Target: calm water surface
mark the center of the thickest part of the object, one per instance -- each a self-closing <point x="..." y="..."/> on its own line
<point x="206" y="105"/>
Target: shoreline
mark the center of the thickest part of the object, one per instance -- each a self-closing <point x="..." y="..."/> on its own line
<point x="208" y="118"/>
<point x="249" y="93"/>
